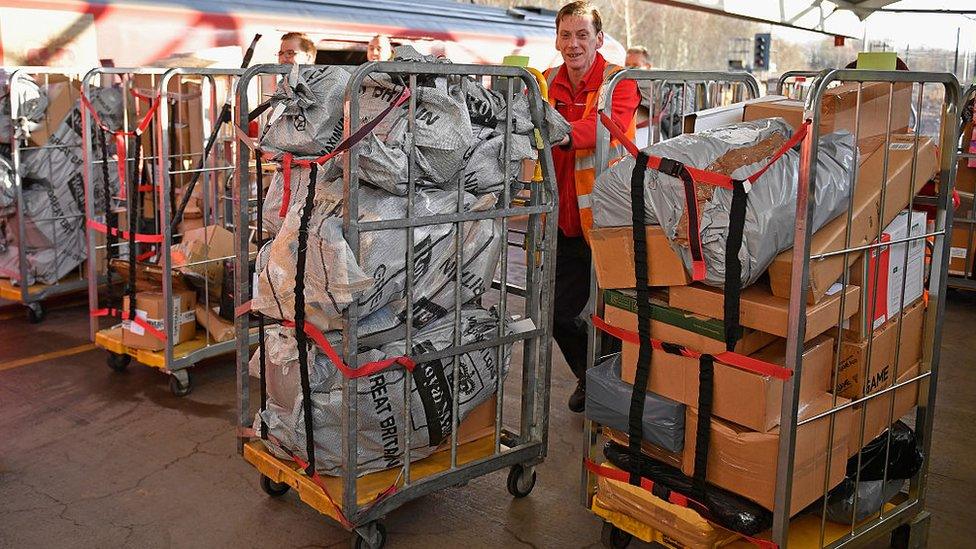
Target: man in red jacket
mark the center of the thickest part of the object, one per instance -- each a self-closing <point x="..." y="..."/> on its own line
<point x="574" y="89"/>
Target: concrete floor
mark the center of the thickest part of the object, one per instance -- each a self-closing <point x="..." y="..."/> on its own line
<point x="92" y="458"/>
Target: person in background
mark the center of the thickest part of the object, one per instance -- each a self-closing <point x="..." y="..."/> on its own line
<point x="297" y="49"/>
<point x="574" y="88"/>
<point x="379" y="48"/>
<point x="638" y="58"/>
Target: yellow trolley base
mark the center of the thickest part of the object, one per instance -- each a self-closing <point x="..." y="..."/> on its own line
<point x="111" y="340"/>
<point x="367" y="486"/>
<point x="12" y="293"/>
<point x="804" y="530"/>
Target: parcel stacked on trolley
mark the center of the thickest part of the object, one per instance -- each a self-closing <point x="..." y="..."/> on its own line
<point x="458" y="133"/>
<point x="740" y="470"/>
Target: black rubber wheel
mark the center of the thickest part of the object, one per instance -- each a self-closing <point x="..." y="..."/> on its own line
<point x="378" y="543"/>
<point x="118" y="363"/>
<point x="35" y="312"/>
<point x="272" y="488"/>
<point x="179" y="389"/>
<point x="614" y="537"/>
<point x="519" y="483"/>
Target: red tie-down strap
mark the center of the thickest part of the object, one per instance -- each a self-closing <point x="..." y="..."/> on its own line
<point x="691" y="176"/>
<point x="314" y="476"/>
<point x="666" y="494"/>
<point x="124" y="315"/>
<point x="121" y="145"/>
<point x="322" y="342"/>
<point x="728" y="358"/>
<point x="126" y="235"/>
<point x="287" y="160"/>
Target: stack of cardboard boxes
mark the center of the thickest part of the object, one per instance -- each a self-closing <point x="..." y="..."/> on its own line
<point x="746" y="406"/>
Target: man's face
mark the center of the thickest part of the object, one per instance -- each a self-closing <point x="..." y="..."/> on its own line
<point x="379" y="50"/>
<point x="577" y="41"/>
<point x="290" y="52"/>
<point x="636" y="60"/>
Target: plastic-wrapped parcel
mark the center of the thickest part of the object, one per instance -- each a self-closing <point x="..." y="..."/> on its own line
<point x="380" y="427"/>
<point x="738" y="150"/>
<point x="333" y="278"/>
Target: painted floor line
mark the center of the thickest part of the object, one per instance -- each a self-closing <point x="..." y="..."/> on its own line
<point x="11" y="364"/>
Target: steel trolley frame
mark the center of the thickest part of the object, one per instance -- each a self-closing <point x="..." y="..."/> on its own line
<point x="33" y="296"/>
<point x="522" y="450"/>
<point x="168" y="162"/>
<point x="966" y="217"/>
<point x="904" y="518"/>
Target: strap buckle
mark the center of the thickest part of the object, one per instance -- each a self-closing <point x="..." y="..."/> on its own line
<point x="671" y="167"/>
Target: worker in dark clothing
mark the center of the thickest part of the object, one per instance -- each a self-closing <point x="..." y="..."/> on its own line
<point x="574" y="89"/>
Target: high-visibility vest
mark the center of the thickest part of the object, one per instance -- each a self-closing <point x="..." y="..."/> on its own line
<point x="586" y="158"/>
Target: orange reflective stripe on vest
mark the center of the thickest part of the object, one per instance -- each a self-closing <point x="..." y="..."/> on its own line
<point x="586" y="158"/>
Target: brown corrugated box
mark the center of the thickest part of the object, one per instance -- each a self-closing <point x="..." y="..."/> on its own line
<point x="745" y="462"/>
<point x="648" y="449"/>
<point x="865" y="223"/>
<point x="739" y="396"/>
<point x="152" y="306"/>
<point x="961" y="249"/>
<point x="761" y="310"/>
<point x="851" y="380"/>
<point x="839" y="109"/>
<point x="682" y="526"/>
<point x="218" y="328"/>
<point x="62" y="96"/>
<point x="613" y="258"/>
<point x="878" y="408"/>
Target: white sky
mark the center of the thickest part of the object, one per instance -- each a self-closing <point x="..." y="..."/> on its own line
<point x="899" y="29"/>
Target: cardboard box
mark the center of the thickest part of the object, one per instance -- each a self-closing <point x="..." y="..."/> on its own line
<point x="857" y="376"/>
<point x="745" y="462"/>
<point x="839" y="109"/>
<point x="479" y="422"/>
<point x="694" y="331"/>
<point x="760" y="310"/>
<point x="740" y="396"/>
<point x="63" y="94"/>
<point x="648" y="449"/>
<point x="613" y="258"/>
<point x="678" y="527"/>
<point x="961" y="250"/>
<point x="865" y="219"/>
<point x="722" y="116"/>
<point x="218" y="328"/>
<point x="152" y="307"/>
<point x="210" y="245"/>
<point x="881" y="278"/>
<point x="878" y="408"/>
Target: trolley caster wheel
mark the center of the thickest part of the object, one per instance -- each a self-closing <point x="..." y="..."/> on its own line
<point x="371" y="536"/>
<point x="272" y="488"/>
<point x="180" y="387"/>
<point x="614" y="537"/>
<point x="35" y="313"/>
<point x="118" y="363"/>
<point x="521" y="480"/>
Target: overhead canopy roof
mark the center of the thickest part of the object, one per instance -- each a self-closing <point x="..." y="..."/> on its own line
<point x="836" y="17"/>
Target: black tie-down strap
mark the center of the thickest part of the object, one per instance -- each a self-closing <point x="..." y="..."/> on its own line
<point x="733" y="267"/>
<point x="635" y="428"/>
<point x="300" y="336"/>
<point x="642" y="377"/>
<point x="133" y="209"/>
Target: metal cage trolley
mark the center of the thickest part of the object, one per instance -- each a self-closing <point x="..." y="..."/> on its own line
<point x="848" y="469"/>
<point x="356" y="493"/>
<point x="962" y="268"/>
<point x="42" y="224"/>
<point x="164" y="236"/>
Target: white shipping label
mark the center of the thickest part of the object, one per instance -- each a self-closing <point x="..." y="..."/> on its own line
<point x="900" y="146"/>
<point x="187" y="317"/>
<point x="136" y="328"/>
<point x="957" y="253"/>
<point x="254" y="285"/>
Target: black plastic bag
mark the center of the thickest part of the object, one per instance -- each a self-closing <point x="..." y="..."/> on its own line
<point x="723" y="508"/>
<point x="904" y="456"/>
